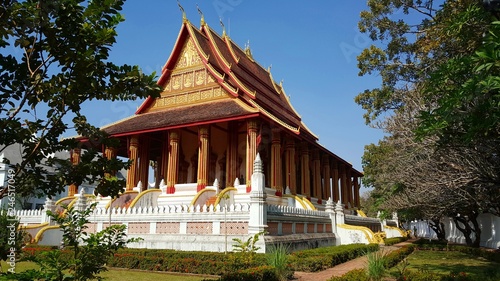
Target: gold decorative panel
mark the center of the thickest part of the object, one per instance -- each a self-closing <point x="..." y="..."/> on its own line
<point x="189" y="78"/>
<point x="189" y="56"/>
<point x="191" y="97"/>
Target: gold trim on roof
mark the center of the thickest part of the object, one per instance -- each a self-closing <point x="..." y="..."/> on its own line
<point x="287" y="98"/>
<point x="215" y="72"/>
<point x="309" y="130"/>
<point x="241" y="85"/>
<point x="233" y="89"/>
<point x="196" y="43"/>
<point x="246" y="106"/>
<point x="276" y="119"/>
<point x="229" y="44"/>
<point x="274" y="83"/>
<point x="224" y="61"/>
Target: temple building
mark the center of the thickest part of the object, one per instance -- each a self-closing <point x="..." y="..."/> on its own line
<point x="221" y="154"/>
<point x="217" y="110"/>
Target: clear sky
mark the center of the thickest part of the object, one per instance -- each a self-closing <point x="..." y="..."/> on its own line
<point x="311" y="46"/>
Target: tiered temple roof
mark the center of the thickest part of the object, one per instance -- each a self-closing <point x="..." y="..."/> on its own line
<point x="244" y="90"/>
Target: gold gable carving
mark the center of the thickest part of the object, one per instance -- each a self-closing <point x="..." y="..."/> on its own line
<point x="189" y="56"/>
<point x="189" y="97"/>
<point x="189" y="83"/>
<point x="188" y="79"/>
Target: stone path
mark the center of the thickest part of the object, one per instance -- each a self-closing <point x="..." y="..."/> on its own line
<point x="343" y="268"/>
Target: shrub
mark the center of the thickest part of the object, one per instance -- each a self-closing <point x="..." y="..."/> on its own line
<point x="353" y="275"/>
<point x="261" y="273"/>
<point x="278" y="258"/>
<point x="376" y="265"/>
<point x="394" y="240"/>
<point x="394" y="257"/>
<point x="322" y="258"/>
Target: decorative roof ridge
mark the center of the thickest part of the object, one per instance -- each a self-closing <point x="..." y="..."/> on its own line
<point x="287" y="99"/>
<point x="228" y="71"/>
<point x="175" y="46"/>
<point x="274" y="83"/>
<point x="191" y="29"/>
<point x="246" y="105"/>
<point x="309" y="130"/>
<point x="165" y="71"/>
<point x="254" y="61"/>
<point x="209" y="31"/>
<point x="276" y="119"/>
<point x="229" y="44"/>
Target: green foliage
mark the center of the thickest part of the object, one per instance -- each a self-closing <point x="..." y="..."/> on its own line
<point x="402" y="59"/>
<point x="467" y="89"/>
<point x="326" y="257"/>
<point x="245" y="250"/>
<point x="376" y="265"/>
<point x="261" y="273"/>
<point x="11" y="237"/>
<point x="278" y="259"/>
<point x="394" y="257"/>
<point x="353" y="275"/>
<point x="54" y="57"/>
<point x="438" y="103"/>
<point x="85" y="254"/>
<point x="394" y="240"/>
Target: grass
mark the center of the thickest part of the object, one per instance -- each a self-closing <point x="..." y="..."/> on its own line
<point x="444" y="262"/>
<point x="121" y="275"/>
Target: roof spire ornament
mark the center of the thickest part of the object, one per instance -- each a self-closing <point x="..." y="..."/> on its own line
<point x="248" y="52"/>
<point x="223" y="28"/>
<point x="202" y="21"/>
<point x="184" y="18"/>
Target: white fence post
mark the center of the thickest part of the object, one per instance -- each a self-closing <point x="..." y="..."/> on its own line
<point x="258" y="205"/>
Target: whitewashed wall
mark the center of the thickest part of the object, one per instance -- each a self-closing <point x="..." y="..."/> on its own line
<point x="489" y="224"/>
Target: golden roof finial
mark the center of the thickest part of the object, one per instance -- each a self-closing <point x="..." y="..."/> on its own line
<point x="281" y="83"/>
<point x="248" y="52"/>
<point x="202" y="21"/>
<point x="184" y="18"/>
<point x="269" y="68"/>
<point x="223" y="28"/>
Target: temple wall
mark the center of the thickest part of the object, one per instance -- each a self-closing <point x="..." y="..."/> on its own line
<point x="181" y="221"/>
<point x="489" y="224"/>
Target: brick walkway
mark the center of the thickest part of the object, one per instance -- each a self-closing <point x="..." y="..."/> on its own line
<point x="343" y="268"/>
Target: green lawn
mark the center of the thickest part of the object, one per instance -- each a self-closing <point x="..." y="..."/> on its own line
<point x="444" y="262"/>
<point x="120" y="275"/>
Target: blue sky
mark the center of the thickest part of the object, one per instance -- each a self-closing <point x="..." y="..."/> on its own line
<point x="311" y="46"/>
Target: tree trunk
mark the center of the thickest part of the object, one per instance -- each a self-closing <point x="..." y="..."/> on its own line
<point x="438" y="228"/>
<point x="463" y="223"/>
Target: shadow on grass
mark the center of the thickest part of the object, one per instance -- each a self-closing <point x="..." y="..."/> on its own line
<point x="444" y="262"/>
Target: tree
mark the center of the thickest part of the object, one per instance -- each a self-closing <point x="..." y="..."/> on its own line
<point x="11" y="238"/>
<point x="467" y="96"/>
<point x="437" y="111"/>
<point x="88" y="252"/>
<point x="413" y="45"/>
<point x="54" y="58"/>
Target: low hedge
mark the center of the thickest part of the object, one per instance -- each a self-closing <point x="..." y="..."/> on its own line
<point x="394" y="240"/>
<point x="391" y="259"/>
<point x="261" y="273"/>
<point x="396" y="256"/>
<point x="326" y="257"/>
<point x="353" y="275"/>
